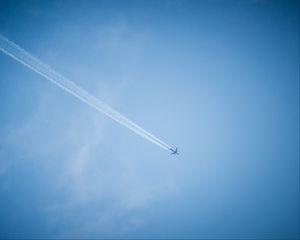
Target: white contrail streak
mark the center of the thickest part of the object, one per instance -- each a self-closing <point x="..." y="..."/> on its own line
<point x="20" y="55"/>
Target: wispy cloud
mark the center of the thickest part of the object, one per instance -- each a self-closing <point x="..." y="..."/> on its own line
<point x="101" y="193"/>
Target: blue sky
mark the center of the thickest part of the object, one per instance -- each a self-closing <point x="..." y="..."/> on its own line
<point x="218" y="79"/>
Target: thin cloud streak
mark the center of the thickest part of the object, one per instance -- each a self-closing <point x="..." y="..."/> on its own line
<point x="25" y="58"/>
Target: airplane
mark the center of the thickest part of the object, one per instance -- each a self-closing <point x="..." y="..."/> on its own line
<point x="174" y="151"/>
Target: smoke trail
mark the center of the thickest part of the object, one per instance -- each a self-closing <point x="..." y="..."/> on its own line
<point x="20" y="55"/>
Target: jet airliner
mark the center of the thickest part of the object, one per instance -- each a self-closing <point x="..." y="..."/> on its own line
<point x="174" y="151"/>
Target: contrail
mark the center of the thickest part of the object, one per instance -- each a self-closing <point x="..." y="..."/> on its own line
<point x="19" y="54"/>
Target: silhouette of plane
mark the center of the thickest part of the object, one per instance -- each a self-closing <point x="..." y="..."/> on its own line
<point x="174" y="151"/>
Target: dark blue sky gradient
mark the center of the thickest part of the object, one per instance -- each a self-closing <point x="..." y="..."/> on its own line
<point x="218" y="79"/>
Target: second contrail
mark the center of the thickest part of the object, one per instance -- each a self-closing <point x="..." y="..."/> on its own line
<point x="22" y="56"/>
